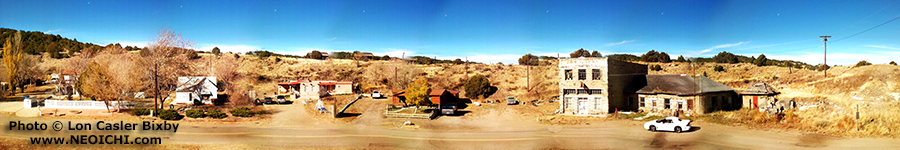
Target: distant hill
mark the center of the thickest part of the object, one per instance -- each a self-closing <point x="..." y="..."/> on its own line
<point x="36" y="42"/>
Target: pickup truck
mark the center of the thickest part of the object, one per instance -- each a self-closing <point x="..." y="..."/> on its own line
<point x="448" y="109"/>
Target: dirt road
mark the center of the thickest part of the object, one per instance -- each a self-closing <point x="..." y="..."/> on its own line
<point x="292" y="129"/>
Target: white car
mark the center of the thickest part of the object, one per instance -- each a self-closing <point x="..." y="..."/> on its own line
<point x="377" y="94"/>
<point x="668" y="124"/>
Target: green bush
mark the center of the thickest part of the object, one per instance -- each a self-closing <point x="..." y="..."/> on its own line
<point x="215" y="113"/>
<point x="195" y="113"/>
<point x="241" y="112"/>
<point x="719" y="69"/>
<point x="140" y="111"/>
<point x="169" y="114"/>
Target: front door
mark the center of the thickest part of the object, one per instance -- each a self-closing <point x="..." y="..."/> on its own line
<point x="755" y="105"/>
<point x="582" y="106"/>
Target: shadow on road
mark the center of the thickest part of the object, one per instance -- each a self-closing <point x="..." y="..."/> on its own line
<point x="458" y="113"/>
<point x="693" y="129"/>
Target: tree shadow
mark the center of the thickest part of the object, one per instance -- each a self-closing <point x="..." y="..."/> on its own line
<point x="342" y="115"/>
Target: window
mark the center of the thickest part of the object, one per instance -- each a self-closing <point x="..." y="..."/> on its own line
<point x="641" y="103"/>
<point x="582" y="91"/>
<point x="690" y="104"/>
<point x="729" y="101"/>
<point x="596" y="102"/>
<point x="595" y="74"/>
<point x="570" y="102"/>
<point x="714" y="102"/>
<point x="594" y="91"/>
<point x="654" y="102"/>
<point x="630" y="101"/>
<point x="666" y="103"/>
<point x="568" y="74"/>
<point x="569" y="91"/>
<point x="582" y="74"/>
<point x="680" y="105"/>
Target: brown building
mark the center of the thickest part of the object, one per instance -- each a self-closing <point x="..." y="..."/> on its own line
<point x="689" y="94"/>
<point x="437" y="96"/>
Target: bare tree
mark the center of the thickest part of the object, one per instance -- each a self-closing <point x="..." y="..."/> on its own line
<point x="165" y="62"/>
<point x="124" y="76"/>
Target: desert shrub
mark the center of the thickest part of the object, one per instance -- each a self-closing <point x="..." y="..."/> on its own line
<point x="477" y="86"/>
<point x="195" y="113"/>
<point x="862" y="63"/>
<point x="169" y="114"/>
<point x="893" y="63"/>
<point x="262" y="112"/>
<point x="655" y="67"/>
<point x="719" y="69"/>
<point x="140" y="112"/>
<point x="241" y="112"/>
<point x="215" y="113"/>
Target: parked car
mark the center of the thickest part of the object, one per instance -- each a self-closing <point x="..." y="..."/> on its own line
<point x="377" y="94"/>
<point x="511" y="101"/>
<point x="268" y="100"/>
<point x="280" y="99"/>
<point x="668" y="124"/>
<point x="448" y="109"/>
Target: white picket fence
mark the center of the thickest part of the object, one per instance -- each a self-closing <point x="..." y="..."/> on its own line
<point x="66" y="104"/>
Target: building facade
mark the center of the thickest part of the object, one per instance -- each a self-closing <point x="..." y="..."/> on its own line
<point x="696" y="94"/>
<point x="196" y="90"/>
<point x="312" y="90"/>
<point x="759" y="96"/>
<point x="596" y="86"/>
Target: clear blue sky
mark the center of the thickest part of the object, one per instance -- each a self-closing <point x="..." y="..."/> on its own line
<point x="486" y="31"/>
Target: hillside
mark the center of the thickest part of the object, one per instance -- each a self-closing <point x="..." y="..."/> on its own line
<point x="832" y="100"/>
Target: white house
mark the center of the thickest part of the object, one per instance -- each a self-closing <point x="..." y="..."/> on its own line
<point x="196" y="90"/>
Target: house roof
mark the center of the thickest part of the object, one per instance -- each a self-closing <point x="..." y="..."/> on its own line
<point x="184" y="83"/>
<point x="760" y="88"/>
<point x="681" y="85"/>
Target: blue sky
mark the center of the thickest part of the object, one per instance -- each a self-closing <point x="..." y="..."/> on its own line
<point x="486" y="31"/>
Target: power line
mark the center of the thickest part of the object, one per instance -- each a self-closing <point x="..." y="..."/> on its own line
<point x="861" y="32"/>
<point x="873" y="14"/>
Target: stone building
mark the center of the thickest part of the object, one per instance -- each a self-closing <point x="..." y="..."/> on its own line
<point x="690" y="94"/>
<point x="313" y="89"/>
<point x="596" y="86"/>
<point x="759" y="96"/>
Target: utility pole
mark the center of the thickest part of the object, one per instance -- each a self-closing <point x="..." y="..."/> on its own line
<point x="825" y="69"/>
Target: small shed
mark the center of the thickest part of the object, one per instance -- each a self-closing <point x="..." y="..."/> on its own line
<point x="758" y="96"/>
